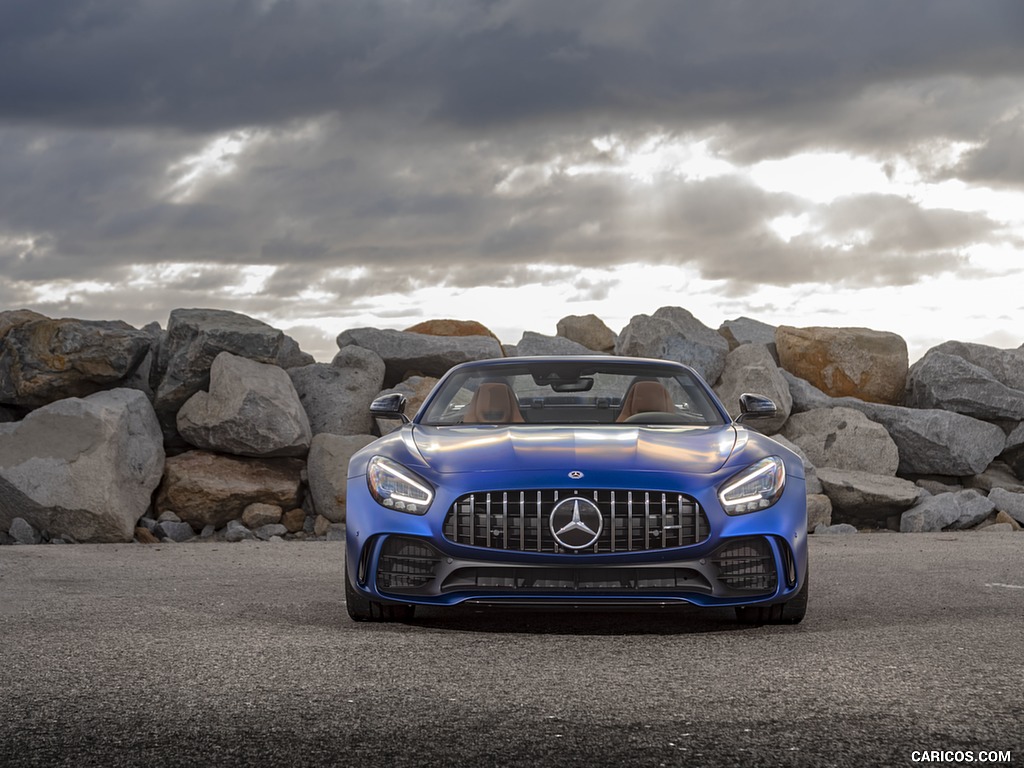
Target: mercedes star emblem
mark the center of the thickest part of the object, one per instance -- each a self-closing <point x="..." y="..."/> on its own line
<point x="576" y="474"/>
<point x="576" y="522"/>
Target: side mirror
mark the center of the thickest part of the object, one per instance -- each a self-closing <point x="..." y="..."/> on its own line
<point x="390" y="407"/>
<point x="755" y="407"/>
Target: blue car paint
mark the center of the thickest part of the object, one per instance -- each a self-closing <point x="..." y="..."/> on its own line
<point x="457" y="460"/>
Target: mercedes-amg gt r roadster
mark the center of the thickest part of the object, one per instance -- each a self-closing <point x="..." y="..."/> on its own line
<point x="583" y="480"/>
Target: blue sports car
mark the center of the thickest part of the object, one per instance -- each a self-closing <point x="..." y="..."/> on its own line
<point x="584" y="480"/>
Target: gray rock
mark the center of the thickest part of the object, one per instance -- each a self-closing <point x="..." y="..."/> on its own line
<point x="588" y="330"/>
<point x="956" y="511"/>
<point x="538" y="344"/>
<point x="336" y="532"/>
<point x="168" y="516"/>
<point x="1006" y="365"/>
<point x="337" y="397"/>
<point x="951" y="383"/>
<point x="743" y="330"/>
<point x="267" y="532"/>
<point x="930" y="442"/>
<point x="175" y="531"/>
<point x="22" y="532"/>
<point x="998" y="475"/>
<point x="208" y="532"/>
<point x="193" y="340"/>
<point x="1008" y="502"/>
<point x="865" y="498"/>
<point x="234" y="531"/>
<point x="327" y="465"/>
<point x="252" y="409"/>
<point x="416" y="389"/>
<point x="44" y="360"/>
<point x="811" y="481"/>
<point x="408" y="354"/>
<point x="750" y="368"/>
<point x="998" y="528"/>
<point x="85" y="467"/>
<point x="291" y="356"/>
<point x="257" y="515"/>
<point x="672" y="333"/>
<point x="148" y="523"/>
<point x="845" y="439"/>
<point x="819" y="511"/>
<point x="840" y="528"/>
<point x="1013" y="454"/>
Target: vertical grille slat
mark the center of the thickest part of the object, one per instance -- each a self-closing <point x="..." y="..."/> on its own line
<point x="653" y="520"/>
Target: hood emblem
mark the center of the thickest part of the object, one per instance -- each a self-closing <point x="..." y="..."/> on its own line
<point x="576" y="523"/>
<point x="576" y="474"/>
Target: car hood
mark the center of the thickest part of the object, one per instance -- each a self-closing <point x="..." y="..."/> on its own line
<point x="700" y="450"/>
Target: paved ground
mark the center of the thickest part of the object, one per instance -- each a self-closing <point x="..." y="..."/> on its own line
<point x="217" y="654"/>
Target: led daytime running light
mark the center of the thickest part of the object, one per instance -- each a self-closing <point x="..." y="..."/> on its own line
<point x="759" y="487"/>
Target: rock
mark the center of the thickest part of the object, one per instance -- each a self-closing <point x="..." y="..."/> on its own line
<point x="846" y="362"/>
<point x="252" y="409"/>
<point x="194" y="339"/>
<point x="328" y="472"/>
<point x="841" y="528"/>
<point x="935" y="486"/>
<point x="44" y="360"/>
<point x="416" y="389"/>
<point x="176" y="531"/>
<point x="335" y="532"/>
<point x="811" y="480"/>
<point x="1002" y="518"/>
<point x="291" y="355"/>
<point x="957" y="511"/>
<point x="951" y="383"/>
<point x="589" y="331"/>
<point x="1006" y="365"/>
<point x="743" y="330"/>
<point x="208" y="532"/>
<point x="23" y="533"/>
<point x="337" y="397"/>
<point x="845" y="439"/>
<point x="406" y="354"/>
<point x="258" y="514"/>
<point x="998" y="528"/>
<point x="538" y="344"/>
<point x="451" y="328"/>
<point x="321" y="525"/>
<point x="1008" y="502"/>
<point x="672" y="333"/>
<point x="819" y="511"/>
<point x="998" y="475"/>
<point x="235" y="532"/>
<point x="267" y="532"/>
<point x="750" y="368"/>
<point x="1013" y="453"/>
<point x="84" y="467"/>
<point x="148" y="523"/>
<point x="210" y="489"/>
<point x="294" y="520"/>
<point x="145" y="536"/>
<point x="930" y="442"/>
<point x="866" y="498"/>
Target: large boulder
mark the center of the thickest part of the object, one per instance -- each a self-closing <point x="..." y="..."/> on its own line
<point x="1006" y="365"/>
<point x="291" y="355"/>
<point x="1009" y="502"/>
<point x="82" y="467"/>
<point x="328" y="472"/>
<point x="751" y="368"/>
<point x="337" y="397"/>
<point x="44" y="360"/>
<point x="409" y="354"/>
<point x="1013" y="452"/>
<point x="845" y="439"/>
<point x="863" y="498"/>
<point x="952" y="383"/>
<point x="252" y="409"/>
<point x="204" y="488"/>
<point x="451" y="328"/>
<point x="744" y="330"/>
<point x="954" y="511"/>
<point x="539" y="344"/>
<point x="588" y="330"/>
<point x="193" y="340"/>
<point x="673" y="333"/>
<point x="846" y="362"/>
<point x="930" y="442"/>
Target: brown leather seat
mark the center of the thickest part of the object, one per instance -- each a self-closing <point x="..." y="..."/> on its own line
<point x="645" y="397"/>
<point x="493" y="403"/>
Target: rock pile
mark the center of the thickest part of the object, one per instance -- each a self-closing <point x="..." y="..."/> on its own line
<point x="221" y="428"/>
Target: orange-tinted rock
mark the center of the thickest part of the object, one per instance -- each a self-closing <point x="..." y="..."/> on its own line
<point x="855" y="362"/>
<point x="451" y="328"/>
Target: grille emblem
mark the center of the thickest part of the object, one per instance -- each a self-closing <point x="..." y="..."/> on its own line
<point x="576" y="475"/>
<point x="576" y="522"/>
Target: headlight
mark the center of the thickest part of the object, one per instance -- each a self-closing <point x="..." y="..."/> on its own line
<point x="757" y="487"/>
<point x="395" y="487"/>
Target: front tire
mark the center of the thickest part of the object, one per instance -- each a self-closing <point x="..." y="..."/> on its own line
<point x="791" y="612"/>
<point x="363" y="609"/>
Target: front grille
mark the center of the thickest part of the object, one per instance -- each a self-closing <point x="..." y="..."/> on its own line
<point x="406" y="565"/>
<point x="576" y="580"/>
<point x="746" y="565"/>
<point x="632" y="521"/>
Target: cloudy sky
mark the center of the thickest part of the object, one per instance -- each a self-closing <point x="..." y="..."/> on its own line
<point x="332" y="164"/>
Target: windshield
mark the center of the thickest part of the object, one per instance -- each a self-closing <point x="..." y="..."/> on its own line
<point x="566" y="392"/>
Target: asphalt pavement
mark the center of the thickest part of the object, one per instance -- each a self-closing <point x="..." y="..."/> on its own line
<point x="242" y="655"/>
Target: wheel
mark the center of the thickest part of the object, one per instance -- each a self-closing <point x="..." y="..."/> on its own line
<point x="363" y="609"/>
<point x="791" y="612"/>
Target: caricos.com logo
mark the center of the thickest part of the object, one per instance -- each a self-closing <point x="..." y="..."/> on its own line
<point x="935" y="756"/>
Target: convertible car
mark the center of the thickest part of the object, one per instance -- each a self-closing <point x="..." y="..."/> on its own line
<point x="584" y="480"/>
